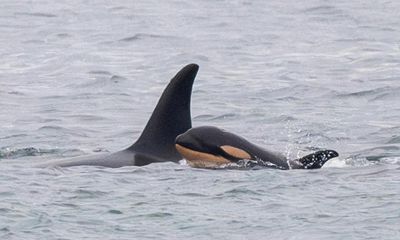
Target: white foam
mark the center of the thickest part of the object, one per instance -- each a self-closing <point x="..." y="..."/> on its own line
<point x="336" y="163"/>
<point x="391" y="160"/>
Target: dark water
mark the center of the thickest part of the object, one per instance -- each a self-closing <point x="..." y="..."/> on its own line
<point x="79" y="77"/>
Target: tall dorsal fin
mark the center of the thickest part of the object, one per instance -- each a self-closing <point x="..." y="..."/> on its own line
<point x="170" y="118"/>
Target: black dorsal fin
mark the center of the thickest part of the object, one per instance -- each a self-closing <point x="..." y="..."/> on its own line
<point x="170" y="118"/>
<point x="317" y="159"/>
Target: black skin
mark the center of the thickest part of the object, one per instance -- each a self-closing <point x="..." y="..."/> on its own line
<point x="170" y="118"/>
<point x="208" y="139"/>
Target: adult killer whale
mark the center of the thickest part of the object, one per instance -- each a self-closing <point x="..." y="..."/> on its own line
<point x="170" y="118"/>
<point x="211" y="147"/>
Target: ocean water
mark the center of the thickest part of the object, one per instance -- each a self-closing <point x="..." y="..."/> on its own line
<point x="79" y="77"/>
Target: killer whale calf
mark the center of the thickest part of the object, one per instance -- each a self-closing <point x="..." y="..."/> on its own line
<point x="156" y="143"/>
<point x="212" y="147"/>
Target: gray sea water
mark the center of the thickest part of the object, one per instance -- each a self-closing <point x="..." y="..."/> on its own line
<point x="78" y="77"/>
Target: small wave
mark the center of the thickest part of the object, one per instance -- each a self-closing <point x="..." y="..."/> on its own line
<point x="116" y="78"/>
<point x="192" y="194"/>
<point x="100" y="72"/>
<point x="10" y="153"/>
<point x="239" y="191"/>
<point x="288" y="98"/>
<point x="51" y="97"/>
<point x="87" y="193"/>
<point x="37" y="14"/>
<point x="360" y="93"/>
<point x="373" y="155"/>
<point x="63" y="35"/>
<point x="327" y="13"/>
<point x="49" y="129"/>
<point x="156" y="215"/>
<point x="283" y="118"/>
<point x="15" y="153"/>
<point x="14" y="136"/>
<point x="394" y="139"/>
<point x="381" y="93"/>
<point x="391" y="160"/>
<point x="378" y="153"/>
<point x="208" y="117"/>
<point x="225" y="116"/>
<point x="141" y="36"/>
<point x="114" y="211"/>
<point x="388" y="94"/>
<point x="321" y="9"/>
<point x="86" y="117"/>
<point x="203" y="117"/>
<point x="18" y="93"/>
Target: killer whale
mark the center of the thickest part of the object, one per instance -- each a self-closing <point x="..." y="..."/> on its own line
<point x="156" y="143"/>
<point x="211" y="147"/>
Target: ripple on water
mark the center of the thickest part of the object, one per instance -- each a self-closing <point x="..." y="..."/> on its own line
<point x="9" y="153"/>
<point x="36" y="14"/>
<point x="144" y="36"/>
<point x="114" y="211"/>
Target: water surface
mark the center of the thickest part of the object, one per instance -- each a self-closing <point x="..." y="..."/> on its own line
<point x="81" y="77"/>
